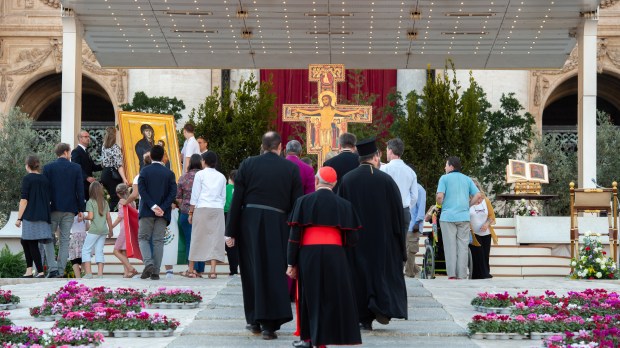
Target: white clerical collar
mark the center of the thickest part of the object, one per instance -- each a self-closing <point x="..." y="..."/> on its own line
<point x="158" y="162"/>
<point x="82" y="146"/>
<point x="346" y="150"/>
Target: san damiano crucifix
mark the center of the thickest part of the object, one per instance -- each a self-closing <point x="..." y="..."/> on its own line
<point x="327" y="120"/>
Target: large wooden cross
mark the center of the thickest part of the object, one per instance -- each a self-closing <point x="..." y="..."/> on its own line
<point x="327" y="120"/>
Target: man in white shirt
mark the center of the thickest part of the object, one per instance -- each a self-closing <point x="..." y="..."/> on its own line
<point x="190" y="146"/>
<point x="403" y="175"/>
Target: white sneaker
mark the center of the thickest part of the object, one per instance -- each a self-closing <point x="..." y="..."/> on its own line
<point x="169" y="275"/>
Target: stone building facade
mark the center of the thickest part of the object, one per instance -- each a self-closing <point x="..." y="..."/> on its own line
<point x="31" y="54"/>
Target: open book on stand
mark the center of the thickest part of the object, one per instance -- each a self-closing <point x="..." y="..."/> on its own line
<point x="527" y="176"/>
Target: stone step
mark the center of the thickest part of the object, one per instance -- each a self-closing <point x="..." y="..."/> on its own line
<point x="503" y="240"/>
<point x="508" y="231"/>
<point x="114" y="267"/>
<point x="513" y="250"/>
<point x="528" y="260"/>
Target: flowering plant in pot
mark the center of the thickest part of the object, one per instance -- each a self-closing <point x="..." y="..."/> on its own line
<point x="20" y="335"/>
<point x="163" y="295"/>
<point x="4" y="321"/>
<point x="7" y="297"/>
<point x="99" y="318"/>
<point x="78" y="297"/>
<point x="489" y="323"/>
<point x="592" y="262"/>
<point x="499" y="300"/>
<point x="604" y="338"/>
<point x="146" y="321"/>
<point x="72" y="337"/>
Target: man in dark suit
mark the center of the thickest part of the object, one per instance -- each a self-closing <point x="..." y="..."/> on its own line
<point x="266" y="188"/>
<point x="346" y="160"/>
<point x="67" y="194"/>
<point x="80" y="156"/>
<point x="158" y="189"/>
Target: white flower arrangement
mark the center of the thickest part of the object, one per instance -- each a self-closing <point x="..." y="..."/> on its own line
<point x="592" y="262"/>
<point x="523" y="208"/>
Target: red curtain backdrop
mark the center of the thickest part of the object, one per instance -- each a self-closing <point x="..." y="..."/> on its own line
<point x="291" y="86"/>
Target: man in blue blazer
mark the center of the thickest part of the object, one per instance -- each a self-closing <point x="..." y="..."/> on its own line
<point x="67" y="193"/>
<point x="158" y="188"/>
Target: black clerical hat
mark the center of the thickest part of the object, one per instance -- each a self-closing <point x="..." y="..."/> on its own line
<point x="366" y="147"/>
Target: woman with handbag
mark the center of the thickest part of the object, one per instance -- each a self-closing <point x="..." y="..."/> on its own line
<point x="112" y="161"/>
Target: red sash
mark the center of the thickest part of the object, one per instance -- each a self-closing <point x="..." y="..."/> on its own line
<point x="321" y="235"/>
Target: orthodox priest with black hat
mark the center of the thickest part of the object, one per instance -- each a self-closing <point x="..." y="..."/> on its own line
<point x="378" y="259"/>
<point x="322" y="226"/>
<point x="266" y="188"/>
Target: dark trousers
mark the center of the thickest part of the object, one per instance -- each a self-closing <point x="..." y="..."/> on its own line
<point x="480" y="258"/>
<point x="233" y="255"/>
<point x="110" y="185"/>
<point x="32" y="254"/>
<point x="233" y="259"/>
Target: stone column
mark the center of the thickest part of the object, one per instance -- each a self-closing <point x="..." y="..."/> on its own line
<point x="216" y="80"/>
<point x="587" y="43"/>
<point x="71" y="117"/>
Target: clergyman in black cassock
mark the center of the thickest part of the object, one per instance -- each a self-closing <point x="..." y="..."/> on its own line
<point x="378" y="259"/>
<point x="266" y="188"/>
<point x="346" y="160"/>
<point x="322" y="225"/>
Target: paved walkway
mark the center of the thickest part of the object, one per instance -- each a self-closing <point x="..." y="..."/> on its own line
<point x="438" y="312"/>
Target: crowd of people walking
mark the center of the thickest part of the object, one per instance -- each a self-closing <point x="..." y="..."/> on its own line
<point x="336" y="240"/>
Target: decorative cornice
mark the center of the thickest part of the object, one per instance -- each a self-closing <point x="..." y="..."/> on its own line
<point x="35" y="57"/>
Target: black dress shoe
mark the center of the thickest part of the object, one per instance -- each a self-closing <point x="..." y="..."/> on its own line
<point x="148" y="272"/>
<point x="154" y="276"/>
<point x="382" y="319"/>
<point x="269" y="335"/>
<point x="302" y="344"/>
<point x="27" y="276"/>
<point x="254" y="328"/>
<point x="53" y="274"/>
<point x="366" y="326"/>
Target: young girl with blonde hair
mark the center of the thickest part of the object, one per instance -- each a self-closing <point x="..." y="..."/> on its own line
<point x="100" y="226"/>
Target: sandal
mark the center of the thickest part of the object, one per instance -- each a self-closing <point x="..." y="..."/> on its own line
<point x="186" y="273"/>
<point x="213" y="275"/>
<point x="194" y="275"/>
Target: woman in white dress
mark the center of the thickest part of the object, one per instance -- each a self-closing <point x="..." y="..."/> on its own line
<point x="206" y="214"/>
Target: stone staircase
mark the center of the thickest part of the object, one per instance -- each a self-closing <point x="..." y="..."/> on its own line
<point x="509" y="259"/>
<point x="114" y="267"/>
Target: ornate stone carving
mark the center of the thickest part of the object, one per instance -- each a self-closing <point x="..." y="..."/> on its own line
<point x="29" y="3"/>
<point x="603" y="51"/>
<point x="52" y="3"/>
<point x="608" y="3"/>
<point x="542" y="84"/>
<point x="90" y="64"/>
<point x="35" y="57"/>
